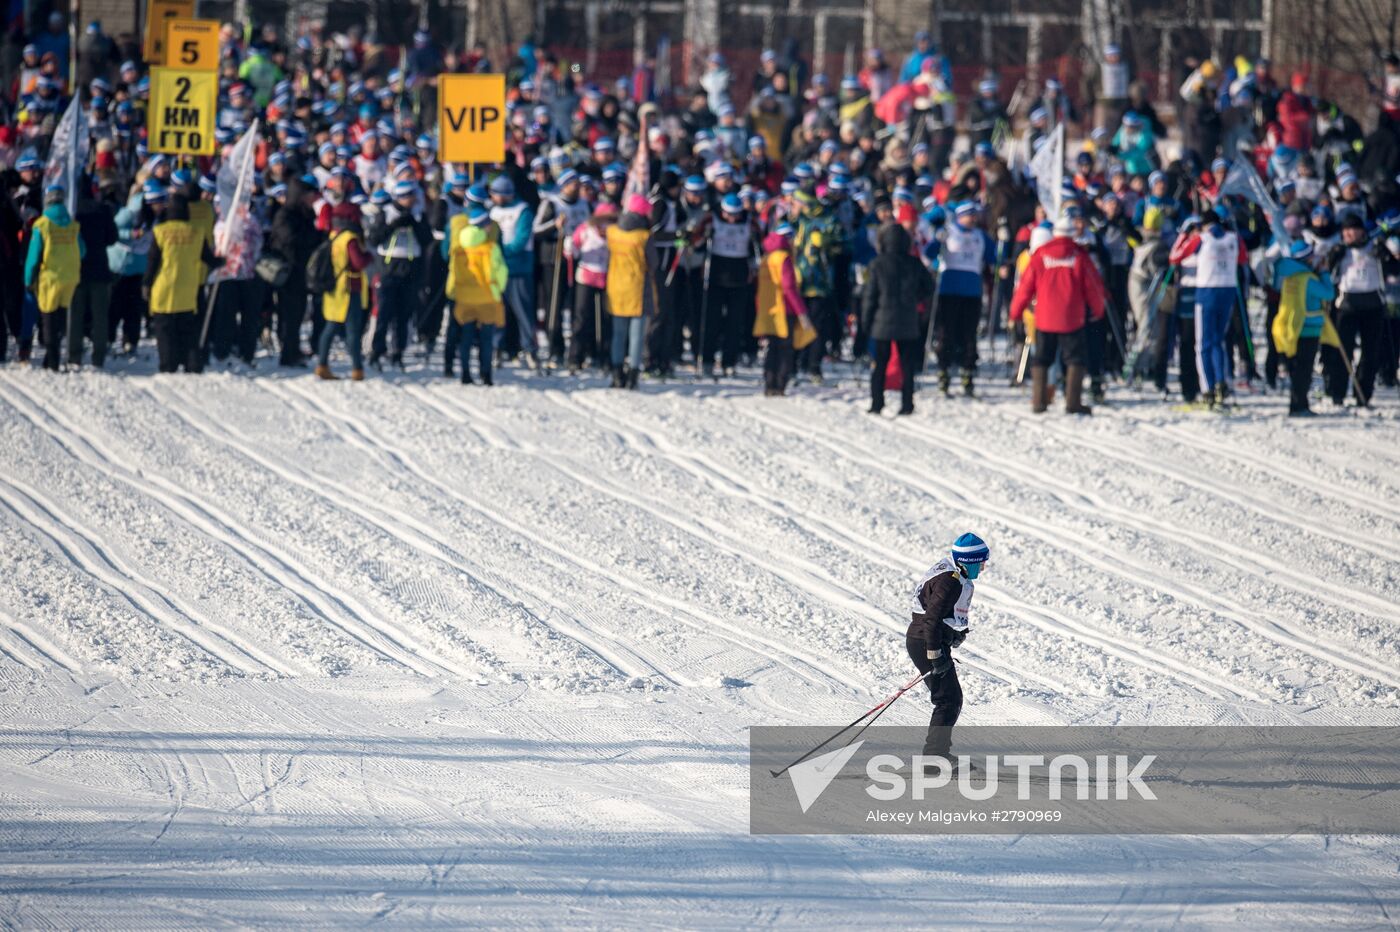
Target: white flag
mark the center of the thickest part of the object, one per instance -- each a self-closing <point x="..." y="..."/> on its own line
<point x="1243" y="181"/>
<point x="1048" y="170"/>
<point x="68" y="153"/>
<point x="235" y="186"/>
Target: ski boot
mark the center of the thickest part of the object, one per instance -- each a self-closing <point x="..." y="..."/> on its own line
<point x="1074" y="391"/>
<point x="945" y="382"/>
<point x="967" y="387"/>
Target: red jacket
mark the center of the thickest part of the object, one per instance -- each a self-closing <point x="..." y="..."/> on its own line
<point x="1064" y="284"/>
<point x="1295" y="115"/>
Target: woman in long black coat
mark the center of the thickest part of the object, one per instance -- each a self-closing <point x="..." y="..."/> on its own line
<point x="896" y="284"/>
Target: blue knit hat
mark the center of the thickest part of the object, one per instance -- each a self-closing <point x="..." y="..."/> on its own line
<point x="970" y="548"/>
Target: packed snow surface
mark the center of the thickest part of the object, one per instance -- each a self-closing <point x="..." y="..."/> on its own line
<point x="280" y="652"/>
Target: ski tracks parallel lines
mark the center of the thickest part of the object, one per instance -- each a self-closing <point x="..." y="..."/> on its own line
<point x="858" y="545"/>
<point x="86" y="553"/>
<point x="1248" y="560"/>
<point x="1237" y="494"/>
<point x="687" y="612"/>
<point x="432" y="543"/>
<point x="340" y="611"/>
<point x="1282" y="633"/>
<point x="1286" y="634"/>
<point x="710" y="473"/>
<point x="1360" y="500"/>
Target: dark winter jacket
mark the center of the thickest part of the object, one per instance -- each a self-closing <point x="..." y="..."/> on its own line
<point x="98" y="230"/>
<point x="938" y="595"/>
<point x="896" y="285"/>
<point x="293" y="235"/>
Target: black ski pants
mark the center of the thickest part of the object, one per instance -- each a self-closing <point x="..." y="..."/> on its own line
<point x="946" y="693"/>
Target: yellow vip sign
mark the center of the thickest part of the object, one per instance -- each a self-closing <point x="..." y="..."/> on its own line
<point x="192" y="44"/>
<point x="472" y="117"/>
<point x="184" y="105"/>
<point x="157" y="13"/>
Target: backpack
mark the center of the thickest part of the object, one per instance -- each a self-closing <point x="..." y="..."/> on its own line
<point x="816" y="235"/>
<point x="320" y="271"/>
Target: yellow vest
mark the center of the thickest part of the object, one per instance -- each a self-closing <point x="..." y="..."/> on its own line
<point x="335" y="306"/>
<point x="771" y="319"/>
<point x="61" y="266"/>
<point x="627" y="272"/>
<point x="476" y="300"/>
<point x="202" y="219"/>
<point x="456" y="266"/>
<point x="1027" y="316"/>
<point x="176" y="287"/>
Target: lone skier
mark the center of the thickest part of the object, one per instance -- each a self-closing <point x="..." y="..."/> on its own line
<point x="940" y="606"/>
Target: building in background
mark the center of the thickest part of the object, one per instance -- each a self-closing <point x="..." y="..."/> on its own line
<point x="1340" y="41"/>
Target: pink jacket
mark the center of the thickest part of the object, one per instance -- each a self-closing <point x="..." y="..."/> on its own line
<point x="590" y="256"/>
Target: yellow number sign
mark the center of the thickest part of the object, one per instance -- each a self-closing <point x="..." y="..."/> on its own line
<point x="157" y="12"/>
<point x="184" y="105"/>
<point x="192" y="44"/>
<point x="472" y="117"/>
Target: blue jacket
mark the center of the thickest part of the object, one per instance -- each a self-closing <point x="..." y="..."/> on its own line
<point x="127" y="256"/>
<point x="59" y="215"/>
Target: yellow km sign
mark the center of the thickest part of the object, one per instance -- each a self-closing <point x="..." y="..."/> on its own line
<point x="157" y="12"/>
<point x="472" y="117"/>
<point x="184" y="105"/>
<point x="192" y="44"/>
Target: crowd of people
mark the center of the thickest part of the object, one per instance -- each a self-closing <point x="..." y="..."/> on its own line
<point x="876" y="218"/>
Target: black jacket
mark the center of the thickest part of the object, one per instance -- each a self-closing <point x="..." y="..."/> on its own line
<point x="293" y="234"/>
<point x="98" y="229"/>
<point x="897" y="283"/>
<point x="939" y="595"/>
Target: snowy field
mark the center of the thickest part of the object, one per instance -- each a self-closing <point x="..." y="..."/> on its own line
<point x="277" y="652"/>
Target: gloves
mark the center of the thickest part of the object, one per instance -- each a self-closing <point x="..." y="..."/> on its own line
<point x="956" y="638"/>
<point x="942" y="662"/>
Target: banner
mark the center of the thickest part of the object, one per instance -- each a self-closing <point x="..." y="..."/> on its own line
<point x="184" y="105"/>
<point x="69" y="152"/>
<point x="471" y="118"/>
<point x="1243" y="181"/>
<point x="1048" y="171"/>
<point x="235" y="186"/>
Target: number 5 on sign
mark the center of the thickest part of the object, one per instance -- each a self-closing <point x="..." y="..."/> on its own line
<point x="181" y="114"/>
<point x="472" y="117"/>
<point x="192" y="44"/>
<point x="157" y="12"/>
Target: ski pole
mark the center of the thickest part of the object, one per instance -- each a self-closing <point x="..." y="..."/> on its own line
<point x="1025" y="358"/>
<point x="877" y="711"/>
<point x="554" y="291"/>
<point x="1346" y="360"/>
<point x="704" y="312"/>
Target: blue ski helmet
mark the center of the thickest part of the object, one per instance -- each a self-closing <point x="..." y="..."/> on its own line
<point x="969" y="551"/>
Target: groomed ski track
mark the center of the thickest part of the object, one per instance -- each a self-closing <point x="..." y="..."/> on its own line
<point x="274" y="651"/>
